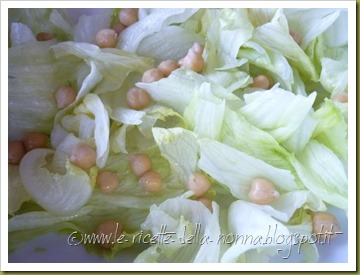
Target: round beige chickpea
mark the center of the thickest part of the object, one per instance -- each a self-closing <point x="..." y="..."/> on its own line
<point x="118" y="27"/>
<point x="140" y="164"/>
<point x="262" y="191"/>
<point x="16" y="151"/>
<point x="167" y="66"/>
<point x="151" y="182"/>
<point x="152" y="75"/>
<point x="261" y="81"/>
<point x="83" y="156"/>
<point x="108" y="231"/>
<point x="193" y="61"/>
<point x="325" y="222"/>
<point x="107" y="181"/>
<point x="44" y="36"/>
<point x="65" y="95"/>
<point x="106" y="38"/>
<point x="35" y="140"/>
<point x="137" y="98"/>
<point x="341" y="97"/>
<point x="296" y="36"/>
<point x="199" y="184"/>
<point x="128" y="17"/>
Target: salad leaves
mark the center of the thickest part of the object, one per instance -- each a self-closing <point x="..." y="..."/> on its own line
<point x="215" y="122"/>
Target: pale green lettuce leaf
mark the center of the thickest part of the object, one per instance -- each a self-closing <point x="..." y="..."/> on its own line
<point x="89" y="25"/>
<point x="20" y="34"/>
<point x="153" y="22"/>
<point x="114" y="65"/>
<point x="240" y="134"/>
<point x="237" y="170"/>
<point x="102" y="130"/>
<point x="182" y="216"/>
<point x="269" y="35"/>
<point x="254" y="233"/>
<point x="34" y="76"/>
<point x="180" y="148"/>
<point x="176" y="90"/>
<point x="272" y="61"/>
<point x="334" y="75"/>
<point x="298" y="140"/>
<point x="173" y="42"/>
<point x="228" y="30"/>
<point x="323" y="174"/>
<point x="17" y="194"/>
<point x="277" y="111"/>
<point x="332" y="128"/>
<point x="58" y="190"/>
<point x="310" y="23"/>
<point x="205" y="112"/>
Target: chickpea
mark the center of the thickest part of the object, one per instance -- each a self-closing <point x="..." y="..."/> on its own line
<point x="106" y="38"/>
<point x="151" y="182"/>
<point x="262" y="191"/>
<point x="107" y="181"/>
<point x="167" y="66"/>
<point x="16" y="152"/>
<point x="198" y="48"/>
<point x="140" y="164"/>
<point x="296" y="36"/>
<point x="137" y="98"/>
<point x="83" y="156"/>
<point x="44" y="36"/>
<point x="65" y="95"/>
<point x="128" y="17"/>
<point x="199" y="184"/>
<point x="207" y="202"/>
<point x="325" y="222"/>
<point x="261" y="81"/>
<point x="342" y="97"/>
<point x="35" y="140"/>
<point x="193" y="61"/>
<point x="118" y="27"/>
<point x="152" y="75"/>
<point x="110" y="228"/>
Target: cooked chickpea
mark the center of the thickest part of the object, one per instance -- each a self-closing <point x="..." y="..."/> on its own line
<point x="151" y="182"/>
<point x="140" y="164"/>
<point x="107" y="181"/>
<point x="152" y="75"/>
<point x="198" y="48"/>
<point x="325" y="222"/>
<point x="35" y="140"/>
<point x="44" y="36"/>
<point x="137" y="98"/>
<point x="199" y="184"/>
<point x="262" y="191"/>
<point x="193" y="61"/>
<point x="261" y="81"/>
<point x="342" y="97"/>
<point x="16" y="152"/>
<point x="128" y="17"/>
<point x="65" y="95"/>
<point x="110" y="228"/>
<point x="167" y="66"/>
<point x="106" y="38"/>
<point x="118" y="27"/>
<point x="296" y="36"/>
<point x="83" y="156"/>
<point x="207" y="202"/>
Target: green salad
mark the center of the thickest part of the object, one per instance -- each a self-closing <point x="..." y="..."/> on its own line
<point x="199" y="135"/>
